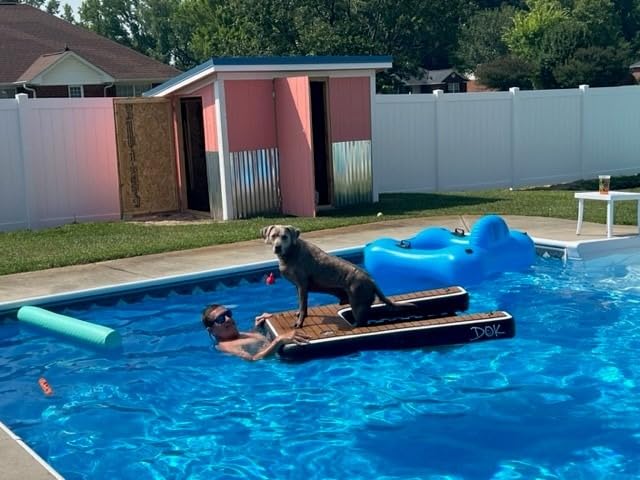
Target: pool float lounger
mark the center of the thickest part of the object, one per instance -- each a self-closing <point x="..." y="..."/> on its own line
<point x="432" y="323"/>
<point x="437" y="257"/>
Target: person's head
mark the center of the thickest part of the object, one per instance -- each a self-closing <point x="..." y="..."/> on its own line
<point x="218" y="321"/>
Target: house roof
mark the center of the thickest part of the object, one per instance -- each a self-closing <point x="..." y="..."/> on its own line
<point x="46" y="62"/>
<point x="30" y="36"/>
<point x="271" y="64"/>
<point x="432" y="77"/>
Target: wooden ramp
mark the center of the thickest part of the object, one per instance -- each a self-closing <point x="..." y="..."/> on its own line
<point x="432" y="321"/>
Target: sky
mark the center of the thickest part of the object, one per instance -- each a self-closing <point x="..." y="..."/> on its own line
<point x="74" y="4"/>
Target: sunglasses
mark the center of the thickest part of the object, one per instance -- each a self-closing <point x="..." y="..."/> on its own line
<point x="222" y="317"/>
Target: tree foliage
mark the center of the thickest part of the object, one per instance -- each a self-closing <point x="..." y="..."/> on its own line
<point x="506" y="72"/>
<point x="481" y="38"/>
<point x="596" y="67"/>
<point x="539" y="43"/>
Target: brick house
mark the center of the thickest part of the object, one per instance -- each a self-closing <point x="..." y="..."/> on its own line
<point x="45" y="56"/>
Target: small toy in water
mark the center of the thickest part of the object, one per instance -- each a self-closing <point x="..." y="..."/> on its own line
<point x="270" y="279"/>
<point x="44" y="385"/>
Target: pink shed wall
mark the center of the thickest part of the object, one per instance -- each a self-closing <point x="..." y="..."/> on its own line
<point x="293" y="109"/>
<point x="350" y="108"/>
<point x="209" y="117"/>
<point x="250" y="114"/>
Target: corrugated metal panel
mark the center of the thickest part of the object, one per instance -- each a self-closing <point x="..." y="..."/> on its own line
<point x="213" y="180"/>
<point x="255" y="182"/>
<point x="352" y="182"/>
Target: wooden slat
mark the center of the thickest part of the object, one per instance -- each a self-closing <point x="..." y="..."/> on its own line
<point x="324" y="322"/>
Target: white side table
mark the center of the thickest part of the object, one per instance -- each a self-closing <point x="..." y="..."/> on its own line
<point x="610" y="198"/>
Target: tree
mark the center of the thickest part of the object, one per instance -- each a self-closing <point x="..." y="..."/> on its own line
<point x="525" y="38"/>
<point x="33" y="3"/>
<point x="595" y="66"/>
<point x="506" y="72"/>
<point x="481" y="38"/>
<point x="110" y="18"/>
<point x="67" y="13"/>
<point x="52" y="7"/>
<point x="550" y="34"/>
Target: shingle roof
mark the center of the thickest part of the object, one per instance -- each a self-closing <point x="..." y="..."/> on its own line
<point x="26" y="34"/>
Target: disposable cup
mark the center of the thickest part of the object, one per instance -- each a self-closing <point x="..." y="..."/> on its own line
<point x="603" y="183"/>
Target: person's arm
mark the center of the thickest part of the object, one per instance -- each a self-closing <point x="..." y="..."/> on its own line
<point x="290" y="337"/>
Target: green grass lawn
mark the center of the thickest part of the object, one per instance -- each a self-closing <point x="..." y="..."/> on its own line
<point x="90" y="242"/>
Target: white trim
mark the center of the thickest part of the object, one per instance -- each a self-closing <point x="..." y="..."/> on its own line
<point x="223" y="150"/>
<point x="320" y="74"/>
<point x="302" y="67"/>
<point x="246" y="73"/>
<point x="186" y="81"/>
<point x="375" y="190"/>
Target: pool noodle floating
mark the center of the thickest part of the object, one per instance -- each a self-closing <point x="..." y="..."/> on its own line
<point x="97" y="335"/>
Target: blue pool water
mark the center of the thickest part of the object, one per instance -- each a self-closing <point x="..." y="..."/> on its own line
<point x="560" y="401"/>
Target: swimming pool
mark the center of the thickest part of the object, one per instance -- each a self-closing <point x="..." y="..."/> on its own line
<point x="561" y="400"/>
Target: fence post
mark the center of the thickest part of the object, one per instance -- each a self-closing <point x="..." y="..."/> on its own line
<point x="584" y="90"/>
<point x="436" y="173"/>
<point x="22" y="100"/>
<point x="512" y="146"/>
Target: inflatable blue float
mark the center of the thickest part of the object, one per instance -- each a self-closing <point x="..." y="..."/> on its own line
<point x="437" y="257"/>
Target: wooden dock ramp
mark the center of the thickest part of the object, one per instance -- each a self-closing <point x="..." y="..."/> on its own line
<point x="431" y="321"/>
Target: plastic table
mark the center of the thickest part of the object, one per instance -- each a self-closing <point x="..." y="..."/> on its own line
<point x="610" y="198"/>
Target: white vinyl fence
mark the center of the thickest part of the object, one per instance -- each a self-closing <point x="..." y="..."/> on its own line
<point x="466" y="141"/>
<point x="58" y="162"/>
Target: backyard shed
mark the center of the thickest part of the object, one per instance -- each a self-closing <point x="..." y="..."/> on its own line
<point x="274" y="134"/>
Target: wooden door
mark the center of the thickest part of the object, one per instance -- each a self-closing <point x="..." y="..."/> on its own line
<point x="146" y="156"/>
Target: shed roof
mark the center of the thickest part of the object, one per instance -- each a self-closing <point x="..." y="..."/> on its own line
<point x="271" y="64"/>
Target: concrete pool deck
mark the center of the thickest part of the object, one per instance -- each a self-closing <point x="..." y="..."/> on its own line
<point x="17" y="461"/>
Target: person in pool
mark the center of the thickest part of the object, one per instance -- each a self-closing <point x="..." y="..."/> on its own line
<point x="219" y="322"/>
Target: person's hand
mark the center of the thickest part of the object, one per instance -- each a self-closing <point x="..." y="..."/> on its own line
<point x="294" y="336"/>
<point x="261" y="318"/>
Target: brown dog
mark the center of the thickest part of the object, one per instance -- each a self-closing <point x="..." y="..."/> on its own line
<point x="311" y="269"/>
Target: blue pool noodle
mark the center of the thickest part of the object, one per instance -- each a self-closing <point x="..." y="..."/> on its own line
<point x="97" y="335"/>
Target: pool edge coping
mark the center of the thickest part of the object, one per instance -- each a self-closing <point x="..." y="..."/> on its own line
<point x="567" y="250"/>
<point x="22" y="444"/>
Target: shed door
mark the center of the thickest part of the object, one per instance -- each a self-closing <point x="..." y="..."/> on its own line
<point x="293" y="122"/>
<point x="195" y="160"/>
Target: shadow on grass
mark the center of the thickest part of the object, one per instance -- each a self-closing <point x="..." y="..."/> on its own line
<point x="617" y="183"/>
<point x="409" y="203"/>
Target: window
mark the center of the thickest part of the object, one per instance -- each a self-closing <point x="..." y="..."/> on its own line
<point x="7" y="92"/>
<point x="76" y="91"/>
<point x="132" y="90"/>
<point x="453" y="87"/>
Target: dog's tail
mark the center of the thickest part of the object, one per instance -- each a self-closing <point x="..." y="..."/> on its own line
<point x="390" y="302"/>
